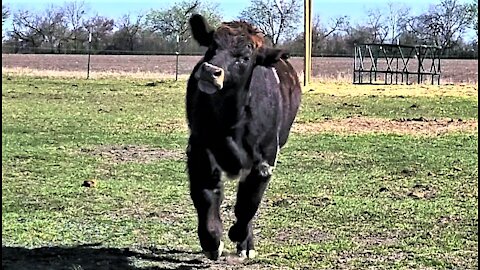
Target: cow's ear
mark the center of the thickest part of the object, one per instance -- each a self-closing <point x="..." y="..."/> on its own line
<point x="269" y="56"/>
<point x="201" y="31"/>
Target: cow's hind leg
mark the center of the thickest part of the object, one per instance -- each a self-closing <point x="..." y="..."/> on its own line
<point x="206" y="191"/>
<point x="249" y="196"/>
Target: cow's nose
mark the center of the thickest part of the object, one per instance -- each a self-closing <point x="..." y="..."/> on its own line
<point x="213" y="70"/>
<point x="214" y="74"/>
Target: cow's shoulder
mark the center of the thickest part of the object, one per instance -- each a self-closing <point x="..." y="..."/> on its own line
<point x="285" y="74"/>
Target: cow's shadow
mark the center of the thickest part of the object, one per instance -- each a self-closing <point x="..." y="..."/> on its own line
<point x="94" y="256"/>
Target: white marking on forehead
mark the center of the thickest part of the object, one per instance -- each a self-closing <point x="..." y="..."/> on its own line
<point x="275" y="74"/>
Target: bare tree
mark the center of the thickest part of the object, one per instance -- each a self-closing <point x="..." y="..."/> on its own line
<point x="101" y="29"/>
<point x="75" y="12"/>
<point x="377" y="26"/>
<point x="359" y="34"/>
<point x="5" y="13"/>
<point x="26" y="29"/>
<point x="443" y="25"/>
<point x="172" y="23"/>
<point x="321" y="33"/>
<point x="397" y="13"/>
<point x="277" y="19"/>
<point x="473" y="15"/>
<point x="373" y="30"/>
<point x="48" y="30"/>
<point x="339" y="23"/>
<point x="54" y="28"/>
<point x="128" y="30"/>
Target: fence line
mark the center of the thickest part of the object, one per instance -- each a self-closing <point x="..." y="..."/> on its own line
<point x="6" y="49"/>
<point x="330" y="68"/>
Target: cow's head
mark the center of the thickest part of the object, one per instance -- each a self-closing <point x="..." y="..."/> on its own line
<point x="234" y="49"/>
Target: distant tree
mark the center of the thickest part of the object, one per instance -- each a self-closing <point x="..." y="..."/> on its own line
<point x="47" y="30"/>
<point x="473" y="16"/>
<point x="397" y="13"/>
<point x="26" y="30"/>
<point x="149" y="41"/>
<point x="102" y="31"/>
<point x="54" y="28"/>
<point x="376" y="25"/>
<point x="359" y="34"/>
<point x="374" y="29"/>
<point x="277" y="19"/>
<point x="336" y="45"/>
<point x="339" y="23"/>
<point x="408" y="38"/>
<point x="128" y="30"/>
<point x="321" y="33"/>
<point x="75" y="12"/>
<point x="5" y="13"/>
<point x="172" y="23"/>
<point x="443" y="25"/>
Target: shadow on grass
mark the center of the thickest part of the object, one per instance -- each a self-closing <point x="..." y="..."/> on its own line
<point x="93" y="256"/>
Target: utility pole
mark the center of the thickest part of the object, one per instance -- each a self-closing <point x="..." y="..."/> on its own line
<point x="176" y="57"/>
<point x="89" y="45"/>
<point x="307" y="60"/>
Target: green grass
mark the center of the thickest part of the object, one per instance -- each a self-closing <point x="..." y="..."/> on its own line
<point x="336" y="201"/>
<point x="317" y="107"/>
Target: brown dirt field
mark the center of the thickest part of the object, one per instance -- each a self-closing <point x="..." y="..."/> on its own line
<point x="336" y="68"/>
<point x="362" y="125"/>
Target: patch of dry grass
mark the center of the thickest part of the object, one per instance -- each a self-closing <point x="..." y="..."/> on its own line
<point x="364" y="125"/>
<point x="346" y="88"/>
<point x="341" y="85"/>
<point x="134" y="153"/>
<point x="21" y="71"/>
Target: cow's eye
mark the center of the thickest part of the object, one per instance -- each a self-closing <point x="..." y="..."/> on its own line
<point x="240" y="59"/>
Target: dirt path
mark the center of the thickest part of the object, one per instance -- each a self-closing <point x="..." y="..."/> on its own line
<point x="362" y="125"/>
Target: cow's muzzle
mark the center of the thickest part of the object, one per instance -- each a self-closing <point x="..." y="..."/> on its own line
<point x="210" y="78"/>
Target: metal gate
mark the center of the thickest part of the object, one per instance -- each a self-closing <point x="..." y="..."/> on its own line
<point x="396" y="64"/>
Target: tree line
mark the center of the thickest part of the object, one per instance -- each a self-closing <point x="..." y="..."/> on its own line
<point x="69" y="28"/>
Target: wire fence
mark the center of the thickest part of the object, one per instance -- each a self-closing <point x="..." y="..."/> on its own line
<point x="338" y="67"/>
<point x="42" y="50"/>
<point x="447" y="54"/>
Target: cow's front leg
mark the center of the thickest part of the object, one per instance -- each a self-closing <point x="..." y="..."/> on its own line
<point x="249" y="196"/>
<point x="206" y="191"/>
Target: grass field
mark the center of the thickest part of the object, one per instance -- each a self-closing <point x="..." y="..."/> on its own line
<point x="373" y="177"/>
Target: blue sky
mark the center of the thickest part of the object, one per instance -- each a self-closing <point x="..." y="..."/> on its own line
<point x="229" y="8"/>
<point x="355" y="9"/>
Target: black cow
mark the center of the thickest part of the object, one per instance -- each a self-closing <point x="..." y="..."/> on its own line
<point x="242" y="99"/>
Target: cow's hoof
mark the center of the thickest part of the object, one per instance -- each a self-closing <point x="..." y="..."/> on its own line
<point x="247" y="254"/>
<point x="214" y="255"/>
